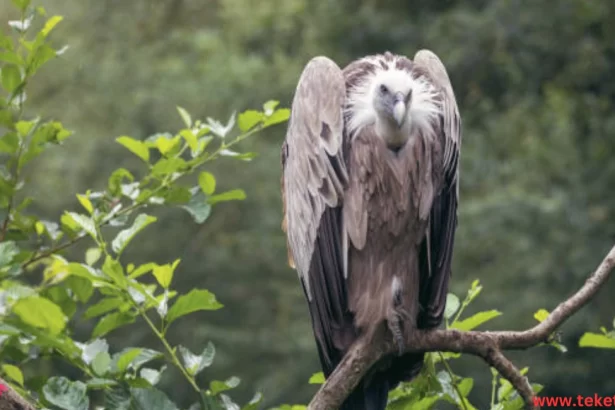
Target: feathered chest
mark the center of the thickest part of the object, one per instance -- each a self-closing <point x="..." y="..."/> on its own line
<point x="390" y="193"/>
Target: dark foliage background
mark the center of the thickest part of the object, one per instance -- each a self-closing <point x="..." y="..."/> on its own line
<point x="535" y="86"/>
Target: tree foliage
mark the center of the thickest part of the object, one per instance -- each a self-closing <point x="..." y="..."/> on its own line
<point x="38" y="315"/>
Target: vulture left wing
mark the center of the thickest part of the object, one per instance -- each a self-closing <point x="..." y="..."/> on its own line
<point x="313" y="180"/>
<point x="437" y="248"/>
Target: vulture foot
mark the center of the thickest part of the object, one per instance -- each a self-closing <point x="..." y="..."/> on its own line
<point x="395" y="328"/>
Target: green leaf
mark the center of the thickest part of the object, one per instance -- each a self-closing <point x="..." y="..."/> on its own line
<point x="124" y="237"/>
<point x="218" y="386"/>
<point x="102" y="307"/>
<point x="60" y="295"/>
<point x="177" y="195"/>
<point x="10" y="56"/>
<point x="142" y="270"/>
<point x="151" y="375"/>
<point x="558" y="346"/>
<point x="52" y="132"/>
<point x="473" y="292"/>
<point x="504" y="390"/>
<point x="41" y="313"/>
<point x="92" y="349"/>
<point x="118" y="398"/>
<point x="426" y="403"/>
<point x="99" y="384"/>
<point x="65" y="394"/>
<point x="197" y="299"/>
<point x="277" y="117"/>
<point x="82" y="221"/>
<point x="198" y="207"/>
<point x="22" y="4"/>
<point x="452" y="305"/>
<point x="24" y="127"/>
<point x="84" y="271"/>
<point x="185" y="116"/>
<point x="101" y="363"/>
<point x="86" y="203"/>
<point x="10" y="77"/>
<point x="289" y="407"/>
<point x="165" y="145"/>
<point x="9" y="143"/>
<point x="8" y="250"/>
<point x="164" y="273"/>
<point x="111" y="322"/>
<point x="253" y="404"/>
<point x="13" y="373"/>
<point x="50" y="24"/>
<point x="168" y="166"/>
<point x="270" y="106"/>
<point x="194" y="364"/>
<point x="126" y="358"/>
<point x="150" y="399"/>
<point x="235" y="194"/>
<point x="475" y="320"/>
<point x="114" y="270"/>
<point x="117" y="178"/>
<point x="92" y="255"/>
<point x="249" y="119"/>
<point x="541" y="315"/>
<point x="191" y="140"/>
<point x="465" y="387"/>
<point x="317" y="378"/>
<point x="81" y="287"/>
<point x="597" y="340"/>
<point x="207" y="182"/>
<point x="143" y="356"/>
<point x="139" y="148"/>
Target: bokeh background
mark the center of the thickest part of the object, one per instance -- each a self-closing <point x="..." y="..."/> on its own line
<point x="535" y="82"/>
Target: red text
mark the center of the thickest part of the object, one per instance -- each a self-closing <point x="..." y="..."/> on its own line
<point x="578" y="401"/>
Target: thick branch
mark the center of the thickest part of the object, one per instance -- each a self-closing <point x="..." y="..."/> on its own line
<point x="487" y="345"/>
<point x="11" y="400"/>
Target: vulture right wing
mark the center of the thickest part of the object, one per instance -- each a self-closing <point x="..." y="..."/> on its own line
<point x="437" y="248"/>
<point x="314" y="177"/>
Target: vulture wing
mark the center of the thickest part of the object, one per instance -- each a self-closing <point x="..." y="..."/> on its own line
<point x="437" y="248"/>
<point x="313" y="180"/>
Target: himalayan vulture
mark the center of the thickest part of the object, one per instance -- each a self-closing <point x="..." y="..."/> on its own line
<point x="370" y="187"/>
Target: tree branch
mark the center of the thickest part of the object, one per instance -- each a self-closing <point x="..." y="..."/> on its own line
<point x="11" y="400"/>
<point x="488" y="345"/>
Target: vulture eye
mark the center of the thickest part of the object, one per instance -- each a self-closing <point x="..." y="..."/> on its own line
<point x="384" y="89"/>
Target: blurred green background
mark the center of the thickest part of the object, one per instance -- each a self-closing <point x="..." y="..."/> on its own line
<point x="536" y="87"/>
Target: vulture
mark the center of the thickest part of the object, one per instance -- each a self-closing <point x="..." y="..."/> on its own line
<point x="370" y="187"/>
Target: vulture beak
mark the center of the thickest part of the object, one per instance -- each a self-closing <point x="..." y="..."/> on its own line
<point x="399" y="109"/>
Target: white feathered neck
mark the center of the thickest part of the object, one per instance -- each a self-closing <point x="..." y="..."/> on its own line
<point x="423" y="110"/>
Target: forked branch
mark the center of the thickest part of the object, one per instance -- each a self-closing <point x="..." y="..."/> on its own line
<point x="487" y="345"/>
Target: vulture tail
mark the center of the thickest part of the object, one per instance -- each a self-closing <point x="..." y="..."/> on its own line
<point x="406" y="368"/>
<point x="373" y="396"/>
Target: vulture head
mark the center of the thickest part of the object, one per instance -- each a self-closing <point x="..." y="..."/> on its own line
<point x="393" y="98"/>
<point x="399" y="102"/>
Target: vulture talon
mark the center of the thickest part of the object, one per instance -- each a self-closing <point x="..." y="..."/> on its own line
<point x="395" y="328"/>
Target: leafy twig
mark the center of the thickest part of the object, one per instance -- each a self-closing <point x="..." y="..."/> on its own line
<point x="453" y="381"/>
